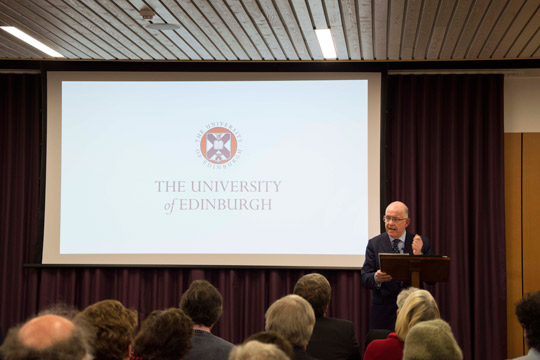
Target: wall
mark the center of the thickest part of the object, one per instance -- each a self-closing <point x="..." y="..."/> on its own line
<point x="522" y="197"/>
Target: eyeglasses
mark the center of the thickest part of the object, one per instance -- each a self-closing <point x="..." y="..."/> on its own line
<point x="388" y="219"/>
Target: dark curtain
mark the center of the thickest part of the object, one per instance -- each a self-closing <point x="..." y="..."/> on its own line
<point x="20" y="136"/>
<point x="444" y="159"/>
<point x="247" y="293"/>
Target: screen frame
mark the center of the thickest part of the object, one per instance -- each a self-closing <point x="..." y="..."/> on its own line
<point x="51" y="254"/>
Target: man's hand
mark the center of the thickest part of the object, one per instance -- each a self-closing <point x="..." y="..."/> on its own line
<point x="382" y="277"/>
<point x="417" y="244"/>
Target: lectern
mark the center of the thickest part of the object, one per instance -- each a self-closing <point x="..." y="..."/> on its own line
<point x="430" y="268"/>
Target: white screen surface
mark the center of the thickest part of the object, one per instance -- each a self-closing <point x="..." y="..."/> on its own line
<point x="260" y="170"/>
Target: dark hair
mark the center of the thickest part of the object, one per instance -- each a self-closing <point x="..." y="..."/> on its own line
<point x="76" y="346"/>
<point x="202" y="302"/>
<point x="272" y="337"/>
<point x="316" y="290"/>
<point x="114" y="326"/>
<point x="164" y="334"/>
<point x="528" y="314"/>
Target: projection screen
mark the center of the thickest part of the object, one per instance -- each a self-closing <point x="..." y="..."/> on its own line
<point x="212" y="169"/>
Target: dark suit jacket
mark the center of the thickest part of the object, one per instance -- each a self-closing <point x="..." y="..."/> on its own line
<point x="333" y="339"/>
<point x="383" y="301"/>
<point x="301" y="354"/>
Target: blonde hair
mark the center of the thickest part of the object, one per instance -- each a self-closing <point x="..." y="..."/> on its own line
<point x="292" y="317"/>
<point x="419" y="306"/>
<point x="403" y="295"/>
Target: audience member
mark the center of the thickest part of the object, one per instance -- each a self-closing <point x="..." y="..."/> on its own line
<point x="419" y="306"/>
<point x="293" y="318"/>
<point x="255" y="350"/>
<point x="528" y="314"/>
<point x="202" y="302"/>
<point x="403" y="295"/>
<point x="431" y="340"/>
<point x="375" y="334"/>
<point x="164" y="335"/>
<point x="113" y="325"/>
<point x="48" y="337"/>
<point x="332" y="339"/>
<point x="272" y="337"/>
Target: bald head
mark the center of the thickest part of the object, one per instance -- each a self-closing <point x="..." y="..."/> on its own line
<point x="48" y="337"/>
<point x="398" y="206"/>
<point x="44" y="331"/>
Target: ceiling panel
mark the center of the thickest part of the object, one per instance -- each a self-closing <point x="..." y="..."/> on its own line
<point x="274" y="30"/>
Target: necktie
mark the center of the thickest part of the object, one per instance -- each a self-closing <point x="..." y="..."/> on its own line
<point x="395" y="248"/>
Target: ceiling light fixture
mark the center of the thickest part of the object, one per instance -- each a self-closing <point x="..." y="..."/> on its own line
<point x="148" y="14"/>
<point x="31" y="41"/>
<point x="326" y="43"/>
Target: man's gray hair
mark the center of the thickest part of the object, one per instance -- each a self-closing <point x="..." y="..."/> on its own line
<point x="76" y="346"/>
<point x="255" y="350"/>
<point x="292" y="317"/>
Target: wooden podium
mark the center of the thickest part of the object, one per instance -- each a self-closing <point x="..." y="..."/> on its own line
<point x="401" y="267"/>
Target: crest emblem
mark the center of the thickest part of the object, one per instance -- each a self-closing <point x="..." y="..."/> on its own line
<point x="218" y="145"/>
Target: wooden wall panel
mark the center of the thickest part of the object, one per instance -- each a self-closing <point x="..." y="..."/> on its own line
<point x="512" y="178"/>
<point x="531" y="212"/>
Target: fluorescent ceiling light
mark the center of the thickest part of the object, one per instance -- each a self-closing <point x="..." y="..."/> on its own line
<point x="30" y="40"/>
<point x="327" y="43"/>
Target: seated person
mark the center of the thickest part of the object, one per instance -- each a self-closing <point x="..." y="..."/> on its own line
<point x="48" y="336"/>
<point x="272" y="337"/>
<point x="419" y="306"/>
<point x="256" y="350"/>
<point x="375" y="334"/>
<point x="293" y="318"/>
<point x="113" y="325"/>
<point x="202" y="302"/>
<point x="431" y="340"/>
<point x="528" y="314"/>
<point x="164" y="335"/>
<point x="332" y="339"/>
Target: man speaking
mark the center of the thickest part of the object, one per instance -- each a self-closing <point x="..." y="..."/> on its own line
<point x="394" y="240"/>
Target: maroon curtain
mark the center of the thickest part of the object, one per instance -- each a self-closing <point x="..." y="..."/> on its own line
<point x="20" y="135"/>
<point x="444" y="159"/>
<point x="247" y="293"/>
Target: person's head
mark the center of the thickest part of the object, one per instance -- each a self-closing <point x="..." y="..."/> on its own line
<point x="431" y="340"/>
<point x="272" y="337"/>
<point x="113" y="325"/>
<point x="419" y="306"/>
<point x="47" y="337"/>
<point x="202" y="302"/>
<point x="293" y="318"/>
<point x="528" y="314"/>
<point x="255" y="350"/>
<point x="403" y="295"/>
<point x="164" y="335"/>
<point x="396" y="219"/>
<point x="316" y="290"/>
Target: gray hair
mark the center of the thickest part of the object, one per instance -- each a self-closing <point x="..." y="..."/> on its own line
<point x="255" y="350"/>
<point x="76" y="346"/>
<point x="293" y="317"/>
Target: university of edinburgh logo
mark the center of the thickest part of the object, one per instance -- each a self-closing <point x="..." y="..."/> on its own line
<point x="218" y="145"/>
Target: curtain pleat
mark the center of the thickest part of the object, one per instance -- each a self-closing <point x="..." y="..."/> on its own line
<point x="445" y="154"/>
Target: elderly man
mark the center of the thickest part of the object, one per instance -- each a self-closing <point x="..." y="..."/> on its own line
<point x="202" y="302"/>
<point x="332" y="339"/>
<point x="293" y="318"/>
<point x="114" y="326"/>
<point x="47" y="337"/>
<point x="395" y="240"/>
